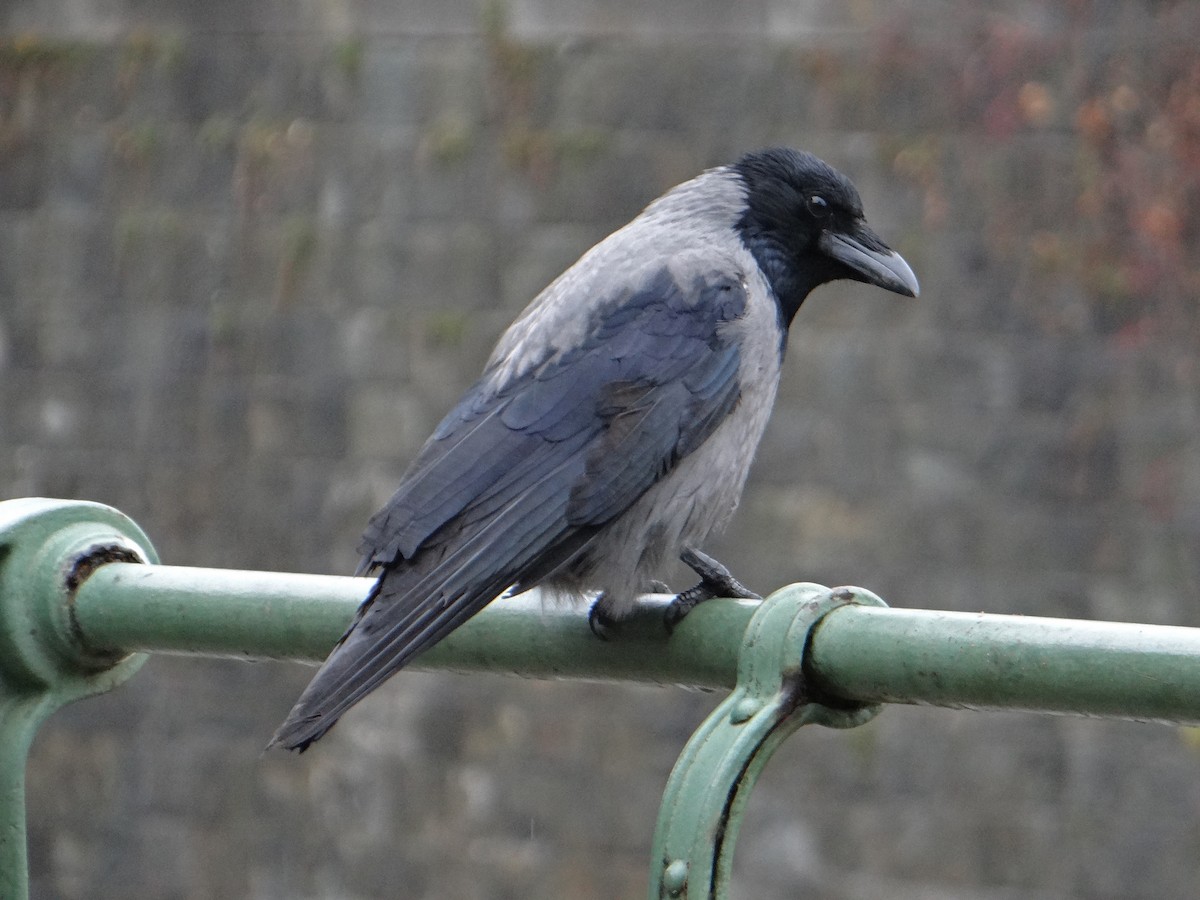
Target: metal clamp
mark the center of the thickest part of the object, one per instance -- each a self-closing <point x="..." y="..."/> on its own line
<point x="713" y="777"/>
<point x="47" y="548"/>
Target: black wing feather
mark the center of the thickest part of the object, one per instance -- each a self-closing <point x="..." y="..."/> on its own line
<point x="520" y="475"/>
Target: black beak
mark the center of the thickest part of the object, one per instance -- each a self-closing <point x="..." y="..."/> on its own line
<point x="870" y="260"/>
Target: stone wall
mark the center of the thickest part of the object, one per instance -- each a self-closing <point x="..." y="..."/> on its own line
<point x="251" y="252"/>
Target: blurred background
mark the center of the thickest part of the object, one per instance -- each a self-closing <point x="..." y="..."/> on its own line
<point x="250" y="252"/>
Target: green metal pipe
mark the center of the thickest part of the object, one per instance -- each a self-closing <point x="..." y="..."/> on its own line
<point x="983" y="661"/>
<point x="856" y="653"/>
<point x="267" y="615"/>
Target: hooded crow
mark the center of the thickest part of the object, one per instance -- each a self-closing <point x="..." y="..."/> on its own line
<point x="615" y="422"/>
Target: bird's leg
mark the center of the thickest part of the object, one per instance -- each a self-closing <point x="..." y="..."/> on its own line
<point x="715" y="581"/>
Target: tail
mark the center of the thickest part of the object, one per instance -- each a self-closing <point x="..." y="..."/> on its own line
<point x="406" y="612"/>
<point x="313" y="715"/>
<point x="416" y="602"/>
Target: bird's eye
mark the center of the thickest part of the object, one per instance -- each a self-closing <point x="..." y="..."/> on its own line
<point x="818" y="206"/>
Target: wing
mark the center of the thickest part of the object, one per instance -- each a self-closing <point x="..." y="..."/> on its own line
<point x="521" y="474"/>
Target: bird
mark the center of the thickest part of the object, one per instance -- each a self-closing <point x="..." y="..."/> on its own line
<point x="614" y="424"/>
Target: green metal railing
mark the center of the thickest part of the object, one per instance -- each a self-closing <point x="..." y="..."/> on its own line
<point x="82" y="600"/>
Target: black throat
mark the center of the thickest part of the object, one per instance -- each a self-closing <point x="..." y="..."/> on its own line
<point x="790" y="281"/>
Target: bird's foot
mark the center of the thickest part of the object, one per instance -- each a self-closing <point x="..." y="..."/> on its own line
<point x="715" y="581"/>
<point x="715" y="577"/>
<point x="604" y="624"/>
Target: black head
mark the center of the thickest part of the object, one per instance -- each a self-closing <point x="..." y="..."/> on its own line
<point x="804" y="224"/>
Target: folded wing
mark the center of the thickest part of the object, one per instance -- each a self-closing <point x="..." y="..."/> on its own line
<point x="523" y="473"/>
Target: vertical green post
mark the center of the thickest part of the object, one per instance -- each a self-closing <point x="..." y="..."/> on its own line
<point x="18" y="724"/>
<point x="41" y="668"/>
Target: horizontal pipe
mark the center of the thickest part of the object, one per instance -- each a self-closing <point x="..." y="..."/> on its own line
<point x="984" y="661"/>
<point x="269" y="615"/>
<point x="856" y="653"/>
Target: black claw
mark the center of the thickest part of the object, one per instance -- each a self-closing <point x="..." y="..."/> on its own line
<point x="715" y="576"/>
<point x="715" y="581"/>
<point x="602" y="624"/>
<point x="684" y="603"/>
